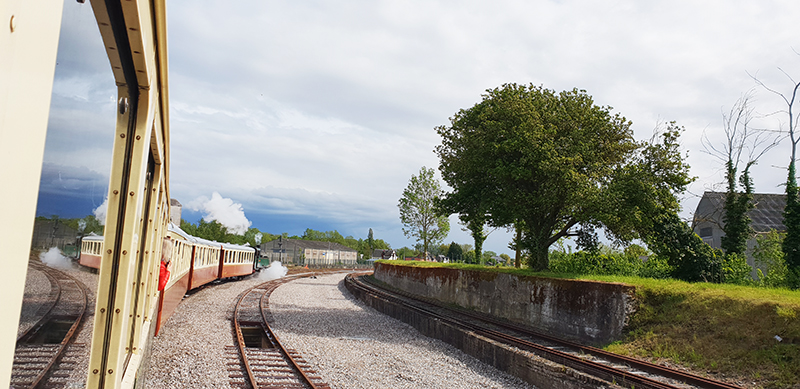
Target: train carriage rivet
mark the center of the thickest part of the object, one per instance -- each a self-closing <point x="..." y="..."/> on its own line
<point x="109" y="251"/>
<point x="138" y="137"/>
<point x="102" y="310"/>
<point x="121" y="135"/>
<point x="117" y="311"/>
<point x="116" y="192"/>
<point x="110" y="371"/>
<point x="131" y="193"/>
<point x="124" y="252"/>
<point x="95" y="371"/>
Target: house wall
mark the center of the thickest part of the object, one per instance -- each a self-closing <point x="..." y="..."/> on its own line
<point x="708" y="223"/>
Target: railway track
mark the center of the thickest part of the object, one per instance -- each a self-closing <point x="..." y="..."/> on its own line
<point x="264" y="362"/>
<point x="41" y="356"/>
<point x="608" y="367"/>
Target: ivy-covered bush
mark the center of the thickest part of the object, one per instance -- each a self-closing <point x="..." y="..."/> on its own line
<point x="735" y="269"/>
<point x="769" y="255"/>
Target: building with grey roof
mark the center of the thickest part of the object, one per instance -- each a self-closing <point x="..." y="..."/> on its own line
<point x="175" y="209"/>
<point x="766" y="215"/>
<point x="308" y="252"/>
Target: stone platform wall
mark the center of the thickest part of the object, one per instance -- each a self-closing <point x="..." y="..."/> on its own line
<point x="586" y="311"/>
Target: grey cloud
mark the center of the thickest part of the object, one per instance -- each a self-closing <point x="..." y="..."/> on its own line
<point x="72" y="181"/>
<point x="340" y="100"/>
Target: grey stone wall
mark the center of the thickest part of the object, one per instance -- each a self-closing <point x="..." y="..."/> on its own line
<point x="585" y="311"/>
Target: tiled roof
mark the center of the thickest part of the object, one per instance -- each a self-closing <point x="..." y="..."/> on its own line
<point x="766" y="215"/>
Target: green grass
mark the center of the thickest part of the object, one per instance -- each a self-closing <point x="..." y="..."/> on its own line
<point x="715" y="329"/>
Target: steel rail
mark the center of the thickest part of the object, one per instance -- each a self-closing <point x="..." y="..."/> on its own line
<point x="268" y="286"/>
<point x="600" y="370"/>
<point x="277" y="341"/>
<point x="81" y="310"/>
<point x="240" y="340"/>
<point x="55" y="294"/>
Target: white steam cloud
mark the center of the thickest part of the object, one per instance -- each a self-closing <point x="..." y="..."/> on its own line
<point x="224" y="211"/>
<point x="54" y="259"/>
<point x="100" y="212"/>
<point x="274" y="271"/>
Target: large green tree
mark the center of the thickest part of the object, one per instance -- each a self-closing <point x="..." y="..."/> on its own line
<point x="549" y="161"/>
<point x="421" y="217"/>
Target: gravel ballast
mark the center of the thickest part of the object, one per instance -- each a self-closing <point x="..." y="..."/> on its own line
<point x="354" y="346"/>
<point x="189" y="352"/>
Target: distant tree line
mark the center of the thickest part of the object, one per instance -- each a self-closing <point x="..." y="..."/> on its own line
<point x="215" y="231"/>
<point x="85" y="225"/>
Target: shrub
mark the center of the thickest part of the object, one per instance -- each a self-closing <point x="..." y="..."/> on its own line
<point x="691" y="258"/>
<point x="768" y="253"/>
<point x="656" y="267"/>
<point x="583" y="262"/>
<point x="735" y="269"/>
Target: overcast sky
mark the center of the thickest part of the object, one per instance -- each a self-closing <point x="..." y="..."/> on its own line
<point x="316" y="114"/>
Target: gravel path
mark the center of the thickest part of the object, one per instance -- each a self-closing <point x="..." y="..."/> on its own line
<point x="354" y="346"/>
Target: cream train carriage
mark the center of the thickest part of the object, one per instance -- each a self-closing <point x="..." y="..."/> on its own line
<point x="91" y="251"/>
<point x="134" y="36"/>
<point x="195" y="262"/>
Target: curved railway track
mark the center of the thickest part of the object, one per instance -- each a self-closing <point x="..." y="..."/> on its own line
<point x="40" y="349"/>
<point x="608" y="367"/>
<point x="265" y="361"/>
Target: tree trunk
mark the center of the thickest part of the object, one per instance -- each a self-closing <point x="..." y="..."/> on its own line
<point x="518" y="251"/>
<point x="539" y="258"/>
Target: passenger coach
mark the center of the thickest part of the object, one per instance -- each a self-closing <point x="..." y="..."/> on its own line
<point x="194" y="263"/>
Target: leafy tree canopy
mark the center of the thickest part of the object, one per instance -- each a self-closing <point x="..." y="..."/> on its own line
<point x="455" y="252"/>
<point x="418" y="212"/>
<point x="549" y="161"/>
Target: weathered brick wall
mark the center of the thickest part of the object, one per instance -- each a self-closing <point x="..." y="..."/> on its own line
<point x="586" y="311"/>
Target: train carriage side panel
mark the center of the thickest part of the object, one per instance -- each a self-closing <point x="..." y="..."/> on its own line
<point x="205" y="266"/>
<point x="238" y="260"/>
<point x="91" y="251"/>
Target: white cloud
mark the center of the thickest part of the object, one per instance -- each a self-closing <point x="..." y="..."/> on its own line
<point x="101" y="212"/>
<point x="224" y="211"/>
